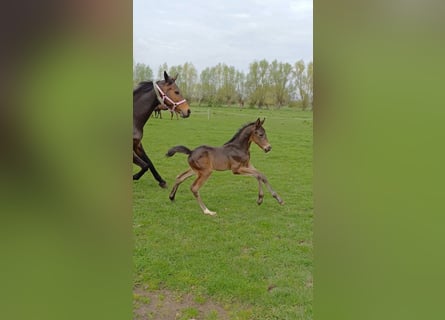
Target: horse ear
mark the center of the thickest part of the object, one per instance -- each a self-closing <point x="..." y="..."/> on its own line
<point x="176" y="77"/>
<point x="263" y="121"/>
<point x="166" y="76"/>
<point x="258" y="123"/>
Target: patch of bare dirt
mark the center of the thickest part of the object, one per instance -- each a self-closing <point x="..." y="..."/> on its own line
<point x="168" y="305"/>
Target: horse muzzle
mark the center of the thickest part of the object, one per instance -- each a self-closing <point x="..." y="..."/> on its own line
<point x="267" y="148"/>
<point x="185" y="114"/>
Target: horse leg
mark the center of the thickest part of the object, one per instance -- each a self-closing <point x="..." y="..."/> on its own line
<point x="139" y="150"/>
<point x="180" y="179"/>
<point x="195" y="190"/>
<point x="251" y="171"/>
<point x="141" y="163"/>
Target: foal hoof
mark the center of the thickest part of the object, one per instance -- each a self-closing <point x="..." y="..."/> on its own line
<point x="210" y="213"/>
<point x="163" y="184"/>
<point x="259" y="201"/>
<point x="277" y="197"/>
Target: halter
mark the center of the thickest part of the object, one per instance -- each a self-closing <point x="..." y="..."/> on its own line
<point x="162" y="97"/>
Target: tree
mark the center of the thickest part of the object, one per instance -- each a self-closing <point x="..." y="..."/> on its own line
<point x="310" y="82"/>
<point x="280" y="77"/>
<point x="208" y="86"/>
<point x="227" y="93"/>
<point x="187" y="78"/>
<point x="258" y="84"/>
<point x="240" y="84"/>
<point x="141" y="72"/>
<point x="161" y="69"/>
<point x="265" y="84"/>
<point x="303" y="83"/>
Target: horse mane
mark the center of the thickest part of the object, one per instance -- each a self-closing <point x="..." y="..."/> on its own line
<point x="239" y="132"/>
<point x="143" y="86"/>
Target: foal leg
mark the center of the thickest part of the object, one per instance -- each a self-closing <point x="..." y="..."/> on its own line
<point x="260" y="192"/>
<point x="195" y="190"/>
<point x="251" y="171"/>
<point x="272" y="192"/>
<point x="180" y="179"/>
<point x="260" y="186"/>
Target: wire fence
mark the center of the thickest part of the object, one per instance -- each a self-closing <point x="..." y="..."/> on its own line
<point x="209" y="114"/>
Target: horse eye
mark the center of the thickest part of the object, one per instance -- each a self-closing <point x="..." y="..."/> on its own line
<point x="177" y="92"/>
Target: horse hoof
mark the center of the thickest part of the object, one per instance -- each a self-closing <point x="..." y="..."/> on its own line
<point x="259" y="201"/>
<point x="163" y="184"/>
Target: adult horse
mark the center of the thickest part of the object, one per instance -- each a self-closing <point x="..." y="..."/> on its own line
<point x="234" y="155"/>
<point x="146" y="97"/>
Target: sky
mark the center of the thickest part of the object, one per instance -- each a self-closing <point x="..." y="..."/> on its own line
<point x="234" y="32"/>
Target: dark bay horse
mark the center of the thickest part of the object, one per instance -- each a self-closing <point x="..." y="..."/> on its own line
<point x="233" y="155"/>
<point x="146" y="97"/>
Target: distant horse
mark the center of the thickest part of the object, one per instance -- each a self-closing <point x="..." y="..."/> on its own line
<point x="158" y="109"/>
<point x="171" y="115"/>
<point x="145" y="99"/>
<point x="233" y="155"/>
<point x="161" y="107"/>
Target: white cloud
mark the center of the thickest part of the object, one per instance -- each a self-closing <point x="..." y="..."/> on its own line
<point x="300" y="6"/>
<point x="231" y="31"/>
<point x="241" y="15"/>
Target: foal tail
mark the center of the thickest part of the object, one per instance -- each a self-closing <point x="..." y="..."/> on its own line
<point x="180" y="149"/>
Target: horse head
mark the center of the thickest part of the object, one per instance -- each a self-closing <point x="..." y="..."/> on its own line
<point x="171" y="96"/>
<point x="259" y="136"/>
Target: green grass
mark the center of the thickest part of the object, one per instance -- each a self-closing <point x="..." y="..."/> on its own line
<point x="254" y="260"/>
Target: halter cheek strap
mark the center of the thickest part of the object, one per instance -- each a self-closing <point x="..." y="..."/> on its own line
<point x="162" y="97"/>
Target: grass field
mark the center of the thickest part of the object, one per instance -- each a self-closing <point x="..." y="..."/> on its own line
<point x="253" y="262"/>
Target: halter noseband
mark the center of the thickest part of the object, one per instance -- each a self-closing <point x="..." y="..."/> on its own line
<point x="162" y="97"/>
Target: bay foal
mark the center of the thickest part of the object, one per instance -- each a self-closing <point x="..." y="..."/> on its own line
<point x="233" y="155"/>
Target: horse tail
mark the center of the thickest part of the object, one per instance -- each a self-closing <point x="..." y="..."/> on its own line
<point x="180" y="149"/>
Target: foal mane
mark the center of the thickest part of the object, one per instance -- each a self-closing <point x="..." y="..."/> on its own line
<point x="239" y="132"/>
<point x="143" y="86"/>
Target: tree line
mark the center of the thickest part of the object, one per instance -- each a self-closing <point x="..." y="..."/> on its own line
<point x="266" y="84"/>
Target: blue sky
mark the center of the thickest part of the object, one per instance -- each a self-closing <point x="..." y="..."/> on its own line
<point x="206" y="33"/>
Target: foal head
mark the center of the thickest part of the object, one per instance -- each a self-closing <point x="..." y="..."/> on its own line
<point x="259" y="136"/>
<point x="173" y="98"/>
